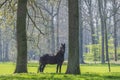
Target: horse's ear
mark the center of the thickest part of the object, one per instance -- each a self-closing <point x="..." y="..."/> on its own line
<point x="63" y="44"/>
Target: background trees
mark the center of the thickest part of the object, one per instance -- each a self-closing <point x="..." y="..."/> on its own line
<point x="47" y="27"/>
<point x="103" y="28"/>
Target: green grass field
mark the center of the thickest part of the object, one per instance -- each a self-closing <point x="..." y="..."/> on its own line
<point x="88" y="72"/>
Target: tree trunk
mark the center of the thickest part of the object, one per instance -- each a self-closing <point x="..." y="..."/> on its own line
<point x="3" y="50"/>
<point x="92" y="28"/>
<point x="73" y="57"/>
<point x="115" y="30"/>
<point x="52" y="36"/>
<point x="21" y="65"/>
<point x="57" y="36"/>
<point x="0" y="45"/>
<point x="81" y="33"/>
<point x="105" y="29"/>
<point x="100" y="4"/>
<point x="106" y="36"/>
<point x="47" y="31"/>
<point x="52" y="32"/>
<point x="106" y="44"/>
<point x="6" y="51"/>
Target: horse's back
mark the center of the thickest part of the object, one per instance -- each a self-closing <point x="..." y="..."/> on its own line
<point x="48" y="59"/>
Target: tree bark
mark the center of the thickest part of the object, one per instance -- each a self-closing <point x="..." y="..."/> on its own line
<point x="6" y="57"/>
<point x="106" y="44"/>
<point x="21" y="65"/>
<point x="115" y="30"/>
<point x="57" y="39"/>
<point x="0" y="45"/>
<point x="105" y="29"/>
<point x="73" y="57"/>
<point x="106" y="35"/>
<point x="52" y="36"/>
<point x="92" y="28"/>
<point x="100" y="4"/>
<point x="81" y="33"/>
<point x="52" y="32"/>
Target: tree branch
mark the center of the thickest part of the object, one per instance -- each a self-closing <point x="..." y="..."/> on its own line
<point x="35" y="24"/>
<point x="3" y="3"/>
<point x="44" y="8"/>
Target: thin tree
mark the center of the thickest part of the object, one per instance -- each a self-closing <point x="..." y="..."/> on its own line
<point x="57" y="35"/>
<point x="21" y="65"/>
<point x="106" y="35"/>
<point x="0" y="45"/>
<point x="73" y="57"/>
<point x="115" y="28"/>
<point x="81" y="32"/>
<point x="89" y="4"/>
<point x="100" y="4"/>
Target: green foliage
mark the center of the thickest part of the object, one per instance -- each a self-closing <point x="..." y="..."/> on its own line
<point x="89" y="72"/>
<point x="118" y="50"/>
<point x="94" y="53"/>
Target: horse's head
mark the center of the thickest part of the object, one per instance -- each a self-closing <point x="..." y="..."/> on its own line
<point x="62" y="48"/>
<point x="61" y="51"/>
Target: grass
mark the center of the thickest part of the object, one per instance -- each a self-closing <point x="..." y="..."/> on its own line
<point x="89" y="72"/>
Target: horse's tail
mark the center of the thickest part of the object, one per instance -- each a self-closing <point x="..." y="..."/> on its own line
<point x="39" y="59"/>
<point x="39" y="64"/>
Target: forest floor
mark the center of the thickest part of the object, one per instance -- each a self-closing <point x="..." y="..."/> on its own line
<point x="88" y="72"/>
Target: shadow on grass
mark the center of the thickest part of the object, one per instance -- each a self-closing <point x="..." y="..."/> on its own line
<point x="107" y="76"/>
<point x="53" y="76"/>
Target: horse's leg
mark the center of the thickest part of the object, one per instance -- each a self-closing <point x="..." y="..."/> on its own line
<point x="60" y="68"/>
<point x="38" y="69"/>
<point x="57" y="68"/>
<point x="43" y="67"/>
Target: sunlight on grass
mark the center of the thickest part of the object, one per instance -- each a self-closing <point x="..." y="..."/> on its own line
<point x="7" y="68"/>
<point x="51" y="76"/>
<point x="89" y="72"/>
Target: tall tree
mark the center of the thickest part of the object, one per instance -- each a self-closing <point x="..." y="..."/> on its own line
<point x="73" y="57"/>
<point x="57" y="36"/>
<point x="21" y="65"/>
<point x="105" y="29"/>
<point x="91" y="23"/>
<point x="0" y="45"/>
<point x="81" y="33"/>
<point x="115" y="28"/>
<point x="49" y="8"/>
<point x="106" y="34"/>
<point x="100" y="4"/>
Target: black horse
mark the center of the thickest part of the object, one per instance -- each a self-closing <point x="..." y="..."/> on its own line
<point x="52" y="59"/>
